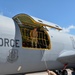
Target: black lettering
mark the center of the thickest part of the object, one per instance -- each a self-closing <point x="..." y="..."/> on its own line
<point x="6" y="42"/>
<point x="12" y="42"/>
<point x="1" y="42"/>
<point x="16" y="43"/>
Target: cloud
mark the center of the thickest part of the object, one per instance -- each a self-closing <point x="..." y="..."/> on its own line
<point x="68" y="29"/>
<point x="1" y="13"/>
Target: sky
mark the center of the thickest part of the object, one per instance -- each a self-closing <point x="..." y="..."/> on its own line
<point x="60" y="12"/>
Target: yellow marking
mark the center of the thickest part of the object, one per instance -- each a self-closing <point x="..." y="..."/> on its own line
<point x="21" y="16"/>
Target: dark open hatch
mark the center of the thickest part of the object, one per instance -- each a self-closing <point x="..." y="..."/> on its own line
<point x="28" y="23"/>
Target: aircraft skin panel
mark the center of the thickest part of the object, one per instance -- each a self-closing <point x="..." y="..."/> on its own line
<point x="58" y="45"/>
<point x="16" y="59"/>
<point x="67" y="56"/>
<point x="7" y="36"/>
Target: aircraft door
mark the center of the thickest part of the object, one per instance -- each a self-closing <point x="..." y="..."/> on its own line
<point x="27" y="25"/>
